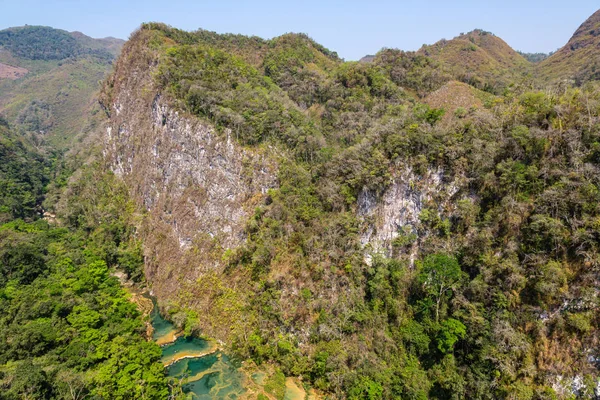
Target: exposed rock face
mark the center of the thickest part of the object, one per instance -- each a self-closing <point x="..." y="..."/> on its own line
<point x="198" y="186"/>
<point x="398" y="210"/>
<point x="199" y="179"/>
<point x="575" y="386"/>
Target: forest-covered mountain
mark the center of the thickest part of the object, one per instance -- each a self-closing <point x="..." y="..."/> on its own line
<point x="481" y="59"/>
<point x="380" y="228"/>
<point x="418" y="225"/>
<point x="68" y="330"/>
<point x="49" y="80"/>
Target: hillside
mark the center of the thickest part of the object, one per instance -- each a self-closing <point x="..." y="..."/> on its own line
<point x="316" y="216"/>
<point x="49" y="81"/>
<point x="458" y="99"/>
<point x="23" y="177"/>
<point x="579" y="59"/>
<point x="479" y="58"/>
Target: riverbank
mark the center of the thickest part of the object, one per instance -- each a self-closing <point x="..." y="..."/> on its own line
<point x="168" y="338"/>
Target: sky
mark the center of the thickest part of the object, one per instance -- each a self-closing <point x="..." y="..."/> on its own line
<point x="352" y="28"/>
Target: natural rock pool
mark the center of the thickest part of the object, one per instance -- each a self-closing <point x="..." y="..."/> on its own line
<point x="205" y="372"/>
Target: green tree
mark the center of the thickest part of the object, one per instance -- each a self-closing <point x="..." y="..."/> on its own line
<point x="365" y="388"/>
<point x="440" y="276"/>
<point x="450" y="332"/>
<point x="30" y="382"/>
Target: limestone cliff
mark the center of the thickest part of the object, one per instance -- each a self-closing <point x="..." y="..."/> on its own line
<point x="197" y="185"/>
<point x="399" y="210"/>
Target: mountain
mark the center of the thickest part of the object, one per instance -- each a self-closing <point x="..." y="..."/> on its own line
<point x="378" y="228"/>
<point x="70" y="329"/>
<point x="49" y="80"/>
<point x="579" y="59"/>
<point x="367" y="59"/>
<point x="480" y="58"/>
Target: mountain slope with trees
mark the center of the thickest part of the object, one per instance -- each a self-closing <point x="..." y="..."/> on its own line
<point x="478" y="279"/>
<point x="578" y="61"/>
<point x="481" y="59"/>
<point x="68" y="329"/>
<point x="424" y="225"/>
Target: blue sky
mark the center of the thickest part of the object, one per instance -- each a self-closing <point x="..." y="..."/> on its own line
<point x="352" y="28"/>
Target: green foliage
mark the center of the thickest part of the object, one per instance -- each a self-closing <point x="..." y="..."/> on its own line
<point x="429" y="115"/>
<point x="23" y="178"/>
<point x="440" y="275"/>
<point x="227" y="91"/>
<point x="31" y="382"/>
<point x="451" y="331"/>
<point x="275" y="384"/>
<point x="448" y="383"/>
<point x="297" y="64"/>
<point x="535" y="57"/>
<point x="68" y="328"/>
<point x="404" y="239"/>
<point x="412" y="70"/>
<point x="488" y="292"/>
<point x="365" y="388"/>
<point x="580" y="322"/>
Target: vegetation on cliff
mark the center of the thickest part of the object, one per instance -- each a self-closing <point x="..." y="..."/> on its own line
<point x="492" y="294"/>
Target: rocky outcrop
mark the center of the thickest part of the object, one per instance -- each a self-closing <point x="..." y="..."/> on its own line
<point x="197" y="185"/>
<point x="577" y="387"/>
<point x="399" y="209"/>
<point x="197" y="178"/>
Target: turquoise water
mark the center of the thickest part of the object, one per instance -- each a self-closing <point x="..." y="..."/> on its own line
<point x="213" y="376"/>
<point x="161" y="326"/>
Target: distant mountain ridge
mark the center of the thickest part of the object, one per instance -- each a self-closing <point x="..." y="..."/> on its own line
<point x="49" y="80"/>
<point x="45" y="43"/>
<point x="479" y="58"/>
<point x="487" y="62"/>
